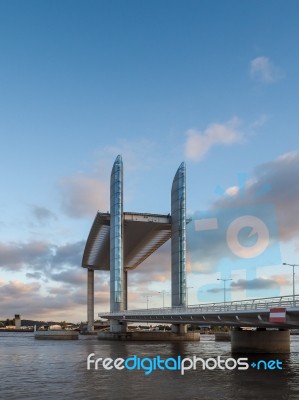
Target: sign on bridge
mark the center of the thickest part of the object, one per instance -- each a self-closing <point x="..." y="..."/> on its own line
<point x="277" y="315"/>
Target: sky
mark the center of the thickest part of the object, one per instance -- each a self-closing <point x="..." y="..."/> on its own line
<point x="214" y="84"/>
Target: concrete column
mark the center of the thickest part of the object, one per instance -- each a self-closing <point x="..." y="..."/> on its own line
<point x="222" y="337"/>
<point x="118" y="326"/>
<point x="180" y="329"/>
<point x="260" y="341"/>
<point x="90" y="300"/>
<point x="125" y="287"/>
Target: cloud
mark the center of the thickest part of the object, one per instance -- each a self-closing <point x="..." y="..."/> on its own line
<point x="70" y="276"/>
<point x="42" y="214"/>
<point x="152" y="276"/>
<point x="258" y="284"/>
<point x="276" y="183"/>
<point x="13" y="256"/>
<point x="83" y="196"/>
<point x="16" y="288"/>
<point x="199" y="143"/>
<point x="68" y="254"/>
<point x="258" y="123"/>
<point x="137" y="155"/>
<point x="33" y="275"/>
<point x="57" y="290"/>
<point x="263" y="70"/>
<point x="156" y="268"/>
<point x="27" y="300"/>
<point x="273" y="282"/>
<point x="272" y="192"/>
<point x="63" y="294"/>
<point x="43" y="258"/>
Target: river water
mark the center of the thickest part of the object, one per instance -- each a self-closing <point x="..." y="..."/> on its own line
<point x="35" y="369"/>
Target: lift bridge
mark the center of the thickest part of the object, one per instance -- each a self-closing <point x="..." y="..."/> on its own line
<point x="120" y="241"/>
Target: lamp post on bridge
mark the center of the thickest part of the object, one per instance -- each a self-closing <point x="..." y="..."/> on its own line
<point x="147" y="299"/>
<point x="187" y="293"/>
<point x="163" y="292"/>
<point x="224" y="286"/>
<point x="293" y="265"/>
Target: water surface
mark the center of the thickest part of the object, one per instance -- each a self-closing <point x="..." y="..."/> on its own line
<point x="35" y="369"/>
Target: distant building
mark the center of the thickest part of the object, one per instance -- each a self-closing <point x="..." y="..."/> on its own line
<point x="17" y="321"/>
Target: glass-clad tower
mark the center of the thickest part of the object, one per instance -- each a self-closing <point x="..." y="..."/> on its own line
<point x="178" y="237"/>
<point x="116" y="237"/>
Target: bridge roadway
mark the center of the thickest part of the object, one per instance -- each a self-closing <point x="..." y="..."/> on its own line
<point x="243" y="313"/>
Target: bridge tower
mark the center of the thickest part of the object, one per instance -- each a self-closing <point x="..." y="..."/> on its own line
<point x="118" y="291"/>
<point x="178" y="242"/>
<point x="119" y="241"/>
<point x="178" y="238"/>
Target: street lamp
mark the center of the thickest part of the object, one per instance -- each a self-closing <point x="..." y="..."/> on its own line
<point x="147" y="297"/>
<point x="293" y="265"/>
<point x="187" y="292"/>
<point x="224" y="286"/>
<point x="163" y="292"/>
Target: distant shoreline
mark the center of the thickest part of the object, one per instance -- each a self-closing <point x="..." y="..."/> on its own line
<point x="17" y="330"/>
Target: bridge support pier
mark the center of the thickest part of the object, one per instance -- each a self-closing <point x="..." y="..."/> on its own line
<point x="148" y="336"/>
<point x="222" y="336"/>
<point x="90" y="300"/>
<point x="118" y="326"/>
<point x="260" y="341"/>
<point x="180" y="329"/>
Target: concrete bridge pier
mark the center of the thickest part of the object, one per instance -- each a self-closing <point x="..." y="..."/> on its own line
<point x="260" y="341"/>
<point x="90" y="300"/>
<point x="118" y="326"/>
<point x="180" y="329"/>
<point x="180" y="332"/>
<point x="222" y="336"/>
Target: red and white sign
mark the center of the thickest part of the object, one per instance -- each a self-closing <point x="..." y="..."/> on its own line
<point x="277" y="315"/>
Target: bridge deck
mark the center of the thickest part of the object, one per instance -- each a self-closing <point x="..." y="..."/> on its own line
<point x="247" y="313"/>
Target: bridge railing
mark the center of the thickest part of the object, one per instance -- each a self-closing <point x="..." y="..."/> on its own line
<point x="239" y="305"/>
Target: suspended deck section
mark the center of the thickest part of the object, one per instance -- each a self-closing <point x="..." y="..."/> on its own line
<point x="143" y="235"/>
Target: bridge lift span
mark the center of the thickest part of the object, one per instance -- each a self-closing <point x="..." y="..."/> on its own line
<point x="120" y="241"/>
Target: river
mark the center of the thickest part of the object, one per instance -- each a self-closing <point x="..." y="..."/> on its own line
<point x="35" y="369"/>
